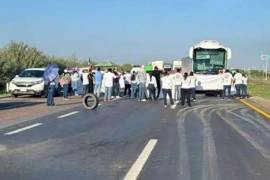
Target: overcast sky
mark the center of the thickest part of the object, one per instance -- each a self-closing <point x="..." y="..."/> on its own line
<point x="138" y="31"/>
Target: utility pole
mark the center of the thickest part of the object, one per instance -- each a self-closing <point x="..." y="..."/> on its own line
<point x="265" y="57"/>
<point x="266" y="68"/>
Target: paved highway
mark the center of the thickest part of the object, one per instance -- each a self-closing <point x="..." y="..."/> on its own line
<point x="125" y="139"/>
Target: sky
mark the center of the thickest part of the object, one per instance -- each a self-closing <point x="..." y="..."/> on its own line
<point x="138" y="31"/>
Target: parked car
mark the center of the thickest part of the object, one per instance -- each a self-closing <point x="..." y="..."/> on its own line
<point x="28" y="82"/>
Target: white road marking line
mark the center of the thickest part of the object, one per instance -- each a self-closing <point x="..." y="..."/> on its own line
<point x="23" y="129"/>
<point x="68" y="114"/>
<point x="136" y="168"/>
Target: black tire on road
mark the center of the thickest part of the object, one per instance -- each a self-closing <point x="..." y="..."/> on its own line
<point x="90" y="101"/>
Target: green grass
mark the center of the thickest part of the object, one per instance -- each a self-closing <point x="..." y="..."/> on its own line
<point x="257" y="86"/>
<point x="4" y="94"/>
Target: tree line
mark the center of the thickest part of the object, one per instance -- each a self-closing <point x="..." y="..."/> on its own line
<point x="17" y="56"/>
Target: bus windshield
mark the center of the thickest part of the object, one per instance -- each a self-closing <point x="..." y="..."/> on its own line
<point x="208" y="61"/>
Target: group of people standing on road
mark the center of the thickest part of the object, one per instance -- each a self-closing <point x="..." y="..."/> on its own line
<point x="177" y="87"/>
<point x="238" y="80"/>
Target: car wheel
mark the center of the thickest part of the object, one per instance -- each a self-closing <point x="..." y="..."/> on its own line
<point x="15" y="95"/>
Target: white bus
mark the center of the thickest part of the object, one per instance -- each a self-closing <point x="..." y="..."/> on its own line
<point x="208" y="57"/>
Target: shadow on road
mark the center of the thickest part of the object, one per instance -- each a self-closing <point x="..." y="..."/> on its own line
<point x="17" y="104"/>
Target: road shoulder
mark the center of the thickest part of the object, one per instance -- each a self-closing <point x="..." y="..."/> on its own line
<point x="258" y="104"/>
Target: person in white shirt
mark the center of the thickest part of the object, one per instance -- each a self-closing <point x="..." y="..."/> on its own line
<point x="85" y="81"/>
<point x="238" y="83"/>
<point x="166" y="84"/>
<point x="151" y="84"/>
<point x="227" y="80"/>
<point x="244" y="86"/>
<point x="177" y="79"/>
<point x="186" y="89"/>
<point x="122" y="84"/>
<point x="193" y="85"/>
<point x="108" y="84"/>
<point x="141" y="79"/>
<point x="75" y="82"/>
<point x="127" y="78"/>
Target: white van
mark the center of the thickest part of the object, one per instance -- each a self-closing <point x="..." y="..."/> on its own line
<point x="28" y="82"/>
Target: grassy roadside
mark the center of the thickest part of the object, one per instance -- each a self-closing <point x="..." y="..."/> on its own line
<point x="4" y="94"/>
<point x="257" y="86"/>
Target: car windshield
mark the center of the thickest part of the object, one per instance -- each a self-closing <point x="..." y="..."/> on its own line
<point x="32" y="73"/>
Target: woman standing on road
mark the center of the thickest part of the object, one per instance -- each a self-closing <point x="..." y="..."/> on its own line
<point x="186" y="90"/>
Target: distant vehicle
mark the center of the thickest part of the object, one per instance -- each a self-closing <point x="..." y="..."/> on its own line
<point x="208" y="57"/>
<point x="176" y="64"/>
<point x="28" y="82"/>
<point x="167" y="66"/>
<point x="158" y="64"/>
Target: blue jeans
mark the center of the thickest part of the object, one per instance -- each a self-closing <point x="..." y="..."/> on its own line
<point x="85" y="89"/>
<point x="108" y="93"/>
<point x="177" y="92"/>
<point x="97" y="89"/>
<point x="169" y="92"/>
<point x="244" y="91"/>
<point x="238" y="90"/>
<point x="65" y="86"/>
<point x="141" y="91"/>
<point x="50" y="96"/>
<point x="133" y="89"/>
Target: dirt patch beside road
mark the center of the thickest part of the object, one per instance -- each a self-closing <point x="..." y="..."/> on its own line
<point x="23" y="109"/>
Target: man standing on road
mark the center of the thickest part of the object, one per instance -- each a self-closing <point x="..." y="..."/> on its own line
<point x="85" y="81"/>
<point x="167" y="89"/>
<point x="127" y="78"/>
<point x="244" y="86"/>
<point x="186" y="90"/>
<point x="108" y="83"/>
<point x="98" y="81"/>
<point x="156" y="73"/>
<point x="141" y="79"/>
<point x="227" y="80"/>
<point x="51" y="89"/>
<point x="238" y="81"/>
<point x="177" y="79"/>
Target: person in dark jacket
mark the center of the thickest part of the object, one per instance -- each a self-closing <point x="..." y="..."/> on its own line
<point x="156" y="73"/>
<point x="91" y="81"/>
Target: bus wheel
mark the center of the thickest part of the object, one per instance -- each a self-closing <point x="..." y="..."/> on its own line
<point x="90" y="101"/>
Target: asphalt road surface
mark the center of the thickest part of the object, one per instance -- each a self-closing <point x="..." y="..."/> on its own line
<point x="125" y="139"/>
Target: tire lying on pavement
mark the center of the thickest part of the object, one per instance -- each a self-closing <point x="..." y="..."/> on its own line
<point x="90" y="101"/>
